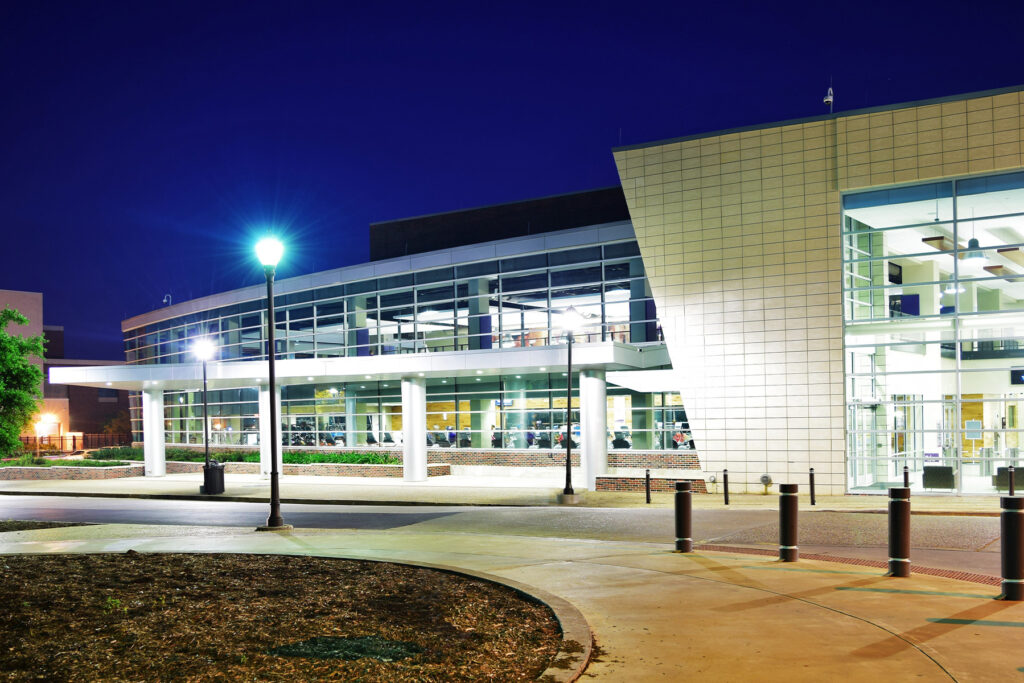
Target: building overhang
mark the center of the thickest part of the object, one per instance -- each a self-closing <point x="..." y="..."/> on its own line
<point x="609" y="356"/>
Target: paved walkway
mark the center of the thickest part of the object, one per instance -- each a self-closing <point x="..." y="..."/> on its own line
<point x="463" y="491"/>
<point x="659" y="615"/>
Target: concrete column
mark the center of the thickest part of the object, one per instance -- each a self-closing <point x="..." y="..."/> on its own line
<point x="479" y="314"/>
<point x="414" y="428"/>
<point x="266" y="446"/>
<point x="593" y="426"/>
<point x="153" y="432"/>
<point x="357" y="335"/>
<point x="351" y="435"/>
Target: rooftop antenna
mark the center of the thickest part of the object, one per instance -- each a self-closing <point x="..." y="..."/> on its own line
<point x="828" y="96"/>
<point x="167" y="299"/>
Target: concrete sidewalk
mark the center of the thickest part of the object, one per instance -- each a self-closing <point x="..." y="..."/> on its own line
<point x="453" y="490"/>
<point x="659" y="615"/>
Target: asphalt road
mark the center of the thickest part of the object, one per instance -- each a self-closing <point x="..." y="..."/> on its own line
<point x="961" y="543"/>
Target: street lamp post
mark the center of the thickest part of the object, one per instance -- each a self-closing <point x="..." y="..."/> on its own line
<point x="269" y="251"/>
<point x="213" y="474"/>
<point x="571" y="321"/>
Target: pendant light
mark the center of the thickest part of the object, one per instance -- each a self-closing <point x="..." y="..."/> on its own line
<point x="973" y="246"/>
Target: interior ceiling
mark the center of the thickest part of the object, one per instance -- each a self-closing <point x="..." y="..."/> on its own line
<point x="971" y="209"/>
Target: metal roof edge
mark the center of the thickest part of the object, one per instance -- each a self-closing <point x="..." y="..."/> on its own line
<point x="822" y="117"/>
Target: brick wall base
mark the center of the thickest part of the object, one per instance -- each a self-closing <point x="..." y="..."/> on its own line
<point x="38" y="473"/>
<point x="509" y="457"/>
<point x="326" y="469"/>
<point x="658" y="485"/>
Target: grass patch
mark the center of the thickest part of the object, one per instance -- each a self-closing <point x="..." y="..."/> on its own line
<point x="24" y="525"/>
<point x="326" y="647"/>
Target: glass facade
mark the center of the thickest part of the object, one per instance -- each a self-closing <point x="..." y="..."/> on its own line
<point x="933" y="300"/>
<point x="504" y="411"/>
<point x="511" y="302"/>
<point x="490" y="304"/>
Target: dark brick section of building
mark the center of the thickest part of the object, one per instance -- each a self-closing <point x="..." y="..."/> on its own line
<point x="390" y="239"/>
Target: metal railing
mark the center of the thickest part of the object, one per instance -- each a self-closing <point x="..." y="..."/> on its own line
<point x="75" y="442"/>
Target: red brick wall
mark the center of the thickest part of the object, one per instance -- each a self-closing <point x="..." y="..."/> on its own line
<point x="658" y="485"/>
<point x="116" y="472"/>
<point x="327" y="469"/>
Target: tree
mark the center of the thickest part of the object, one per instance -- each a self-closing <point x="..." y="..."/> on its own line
<point x="20" y="380"/>
<point x="120" y="424"/>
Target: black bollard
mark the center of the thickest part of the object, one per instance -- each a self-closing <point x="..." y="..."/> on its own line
<point x="725" y="485"/>
<point x="647" y="485"/>
<point x="813" y="501"/>
<point x="906" y="477"/>
<point x="899" y="531"/>
<point x="1011" y="525"/>
<point x="684" y="515"/>
<point x="1009" y="476"/>
<point x="789" y="551"/>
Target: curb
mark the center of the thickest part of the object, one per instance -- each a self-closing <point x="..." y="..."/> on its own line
<point x="577" y="645"/>
<point x="266" y="501"/>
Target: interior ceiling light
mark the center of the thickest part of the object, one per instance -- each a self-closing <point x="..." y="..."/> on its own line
<point x="973" y="246"/>
<point x="953" y="288"/>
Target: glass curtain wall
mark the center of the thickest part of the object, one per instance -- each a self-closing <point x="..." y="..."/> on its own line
<point x="489" y="412"/>
<point x="504" y="303"/>
<point x="933" y="294"/>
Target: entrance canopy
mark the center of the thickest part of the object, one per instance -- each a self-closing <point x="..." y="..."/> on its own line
<point x="609" y="356"/>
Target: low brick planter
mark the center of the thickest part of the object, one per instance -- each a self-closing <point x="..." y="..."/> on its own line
<point x="61" y="472"/>
<point x="510" y="457"/>
<point x="658" y="485"/>
<point x="324" y="469"/>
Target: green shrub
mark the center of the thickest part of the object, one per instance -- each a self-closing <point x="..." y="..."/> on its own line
<point x="29" y="460"/>
<point x="119" y="453"/>
<point x="350" y="458"/>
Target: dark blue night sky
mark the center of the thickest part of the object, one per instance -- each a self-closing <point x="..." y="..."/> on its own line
<point x="145" y="144"/>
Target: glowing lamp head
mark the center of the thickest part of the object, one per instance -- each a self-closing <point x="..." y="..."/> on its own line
<point x="572" y="320"/>
<point x="269" y="251"/>
<point x="204" y="348"/>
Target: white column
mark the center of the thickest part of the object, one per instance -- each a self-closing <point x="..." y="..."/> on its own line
<point x="153" y="432"/>
<point x="593" y="426"/>
<point x="265" y="440"/>
<point x="414" y="428"/>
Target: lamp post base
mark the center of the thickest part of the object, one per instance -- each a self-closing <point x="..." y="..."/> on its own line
<point x="570" y="498"/>
<point x="283" y="527"/>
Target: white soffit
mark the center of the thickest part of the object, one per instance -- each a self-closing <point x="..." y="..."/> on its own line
<point x="645" y="381"/>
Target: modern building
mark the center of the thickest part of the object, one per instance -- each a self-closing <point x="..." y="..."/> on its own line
<point x="457" y="354"/>
<point x="843" y="293"/>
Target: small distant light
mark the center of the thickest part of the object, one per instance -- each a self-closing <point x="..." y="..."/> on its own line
<point x="477" y="379"/>
<point x="257" y="380"/>
<point x="479" y="372"/>
<point x="518" y="376"/>
<point x="181" y="399"/>
<point x="564" y="374"/>
<point x="385" y="383"/>
<point x="362" y="386"/>
<point x="366" y="377"/>
<point x="332" y="390"/>
<point x="543" y="369"/>
<point x="109" y="383"/>
<point x="421" y="374"/>
<point x="444" y="381"/>
<point x="309" y="379"/>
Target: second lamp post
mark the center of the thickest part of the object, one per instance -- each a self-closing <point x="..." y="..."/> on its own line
<point x="571" y="321"/>
<point x="213" y="472"/>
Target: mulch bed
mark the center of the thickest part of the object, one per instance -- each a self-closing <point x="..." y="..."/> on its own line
<point x="217" y="617"/>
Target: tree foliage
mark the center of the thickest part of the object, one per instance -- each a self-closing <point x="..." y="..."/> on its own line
<point x="120" y="423"/>
<point x="20" y="380"/>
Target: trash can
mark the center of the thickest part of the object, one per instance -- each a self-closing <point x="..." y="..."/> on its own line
<point x="213" y="478"/>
